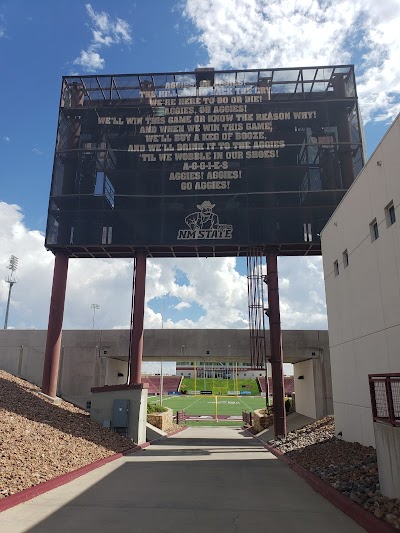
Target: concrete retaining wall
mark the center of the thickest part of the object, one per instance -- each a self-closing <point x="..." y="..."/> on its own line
<point x="163" y="421"/>
<point x="313" y="387"/>
<point x="387" y="439"/>
<point x="304" y="388"/>
<point x="261" y="420"/>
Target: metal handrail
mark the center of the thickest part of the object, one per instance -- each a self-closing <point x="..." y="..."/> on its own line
<point x="385" y="398"/>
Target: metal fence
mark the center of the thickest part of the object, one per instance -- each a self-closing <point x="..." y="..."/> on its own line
<point x="247" y="418"/>
<point x="180" y="417"/>
<point x="385" y="398"/>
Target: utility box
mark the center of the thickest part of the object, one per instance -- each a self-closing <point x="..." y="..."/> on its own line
<point x="131" y="412"/>
<point x="120" y="417"/>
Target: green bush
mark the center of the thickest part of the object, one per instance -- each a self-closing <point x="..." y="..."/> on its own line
<point x="155" y="408"/>
<point x="288" y="404"/>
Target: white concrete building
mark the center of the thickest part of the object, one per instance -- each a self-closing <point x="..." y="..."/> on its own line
<point x="224" y="369"/>
<point x="361" y="257"/>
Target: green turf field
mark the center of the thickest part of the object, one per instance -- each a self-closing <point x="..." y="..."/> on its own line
<point x="205" y="405"/>
<point x="214" y="423"/>
<point x="221" y="386"/>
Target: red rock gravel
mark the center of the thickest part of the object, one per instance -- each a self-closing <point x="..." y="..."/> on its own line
<point x="39" y="440"/>
<point x="349" y="467"/>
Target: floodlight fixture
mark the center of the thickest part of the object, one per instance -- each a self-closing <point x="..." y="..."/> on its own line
<point x="13" y="264"/>
<point x="94" y="307"/>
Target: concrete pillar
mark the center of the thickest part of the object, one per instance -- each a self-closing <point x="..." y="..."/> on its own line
<point x="54" y="330"/>
<point x="136" y="347"/>
<point x="278" y="391"/>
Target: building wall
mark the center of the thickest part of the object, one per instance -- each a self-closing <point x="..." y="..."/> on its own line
<point x="304" y="388"/>
<point x="169" y="344"/>
<point x="113" y="368"/>
<point x="242" y="374"/>
<point x="363" y="300"/>
<point x="93" y="358"/>
<point x="243" y="371"/>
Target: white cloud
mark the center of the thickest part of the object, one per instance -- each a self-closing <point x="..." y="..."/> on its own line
<point x="303" y="298"/>
<point x="2" y="26"/>
<point x="6" y="138"/>
<point x="182" y="305"/>
<point x="37" y="151"/>
<point x="100" y="20"/>
<point x="34" y="270"/>
<point x="214" y="284"/>
<point x="98" y="38"/>
<point x="284" y="283"/>
<point x="90" y="60"/>
<point x="106" y="31"/>
<point x="122" y="31"/>
<point x="292" y="33"/>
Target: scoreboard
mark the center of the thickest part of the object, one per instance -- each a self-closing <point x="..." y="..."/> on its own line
<point x="203" y="163"/>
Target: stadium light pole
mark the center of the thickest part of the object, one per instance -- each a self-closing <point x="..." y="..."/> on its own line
<point x="94" y="307"/>
<point x="162" y="370"/>
<point x="204" y="371"/>
<point x="12" y="265"/>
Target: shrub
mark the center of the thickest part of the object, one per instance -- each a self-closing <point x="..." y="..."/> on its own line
<point x="288" y="404"/>
<point x="155" y="408"/>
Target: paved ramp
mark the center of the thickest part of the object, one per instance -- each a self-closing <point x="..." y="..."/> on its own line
<point x="203" y="480"/>
<point x="293" y="421"/>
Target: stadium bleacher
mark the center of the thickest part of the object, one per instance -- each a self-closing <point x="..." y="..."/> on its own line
<point x="288" y="385"/>
<point x="170" y="383"/>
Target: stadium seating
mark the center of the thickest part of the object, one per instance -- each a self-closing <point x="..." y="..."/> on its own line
<point x="288" y="385"/>
<point x="170" y="383"/>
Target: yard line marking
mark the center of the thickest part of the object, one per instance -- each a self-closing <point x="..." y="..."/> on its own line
<point x="205" y="402"/>
<point x="247" y="406"/>
<point x="196" y="401"/>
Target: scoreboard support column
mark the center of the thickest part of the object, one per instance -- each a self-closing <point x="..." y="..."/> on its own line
<point x="136" y="345"/>
<point x="274" y="315"/>
<point x="54" y="330"/>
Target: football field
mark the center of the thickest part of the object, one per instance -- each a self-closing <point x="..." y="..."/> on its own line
<point x="211" y="405"/>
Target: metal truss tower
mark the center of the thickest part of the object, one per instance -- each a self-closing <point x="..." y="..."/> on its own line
<point x="256" y="275"/>
<point x="11" y="280"/>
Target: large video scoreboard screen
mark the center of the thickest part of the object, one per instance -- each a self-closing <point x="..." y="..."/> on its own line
<point x="202" y="163"/>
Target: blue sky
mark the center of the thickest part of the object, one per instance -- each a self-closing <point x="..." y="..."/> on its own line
<point x="41" y="41"/>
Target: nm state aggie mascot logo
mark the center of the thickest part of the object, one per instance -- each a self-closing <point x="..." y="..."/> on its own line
<point x="204" y="224"/>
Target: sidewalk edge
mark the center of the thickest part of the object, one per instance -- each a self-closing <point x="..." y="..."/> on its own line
<point x="32" y="492"/>
<point x="361" y="516"/>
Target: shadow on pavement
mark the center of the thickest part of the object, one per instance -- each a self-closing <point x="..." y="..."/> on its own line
<point x="205" y="494"/>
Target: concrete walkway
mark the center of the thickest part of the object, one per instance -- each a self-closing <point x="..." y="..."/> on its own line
<point x="203" y="480"/>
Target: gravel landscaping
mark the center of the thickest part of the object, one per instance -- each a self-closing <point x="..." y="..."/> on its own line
<point x="348" y="466"/>
<point x="39" y="440"/>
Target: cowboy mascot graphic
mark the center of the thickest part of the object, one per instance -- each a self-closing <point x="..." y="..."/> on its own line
<point x="205" y="219"/>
